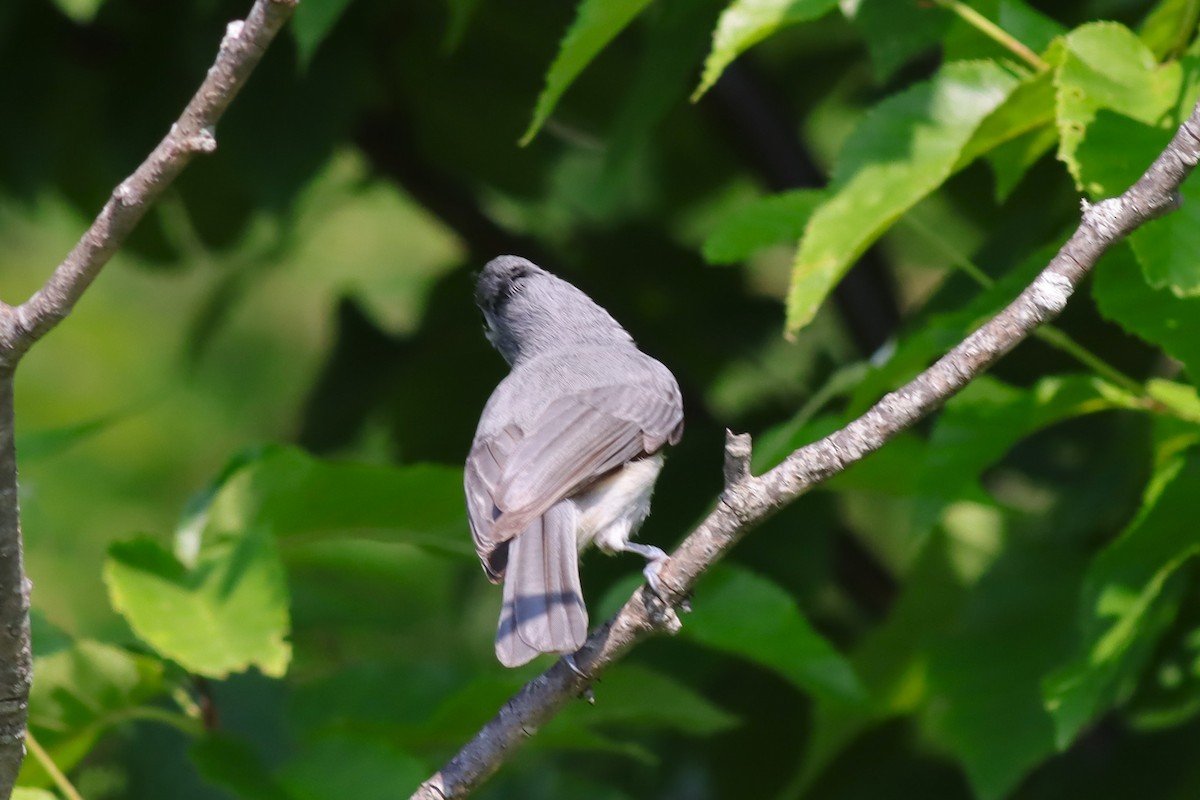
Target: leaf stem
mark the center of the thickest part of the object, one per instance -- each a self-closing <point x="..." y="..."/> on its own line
<point x="1055" y="337"/>
<point x="60" y="780"/>
<point x="994" y="32"/>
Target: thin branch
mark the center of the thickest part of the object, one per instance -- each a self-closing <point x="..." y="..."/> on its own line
<point x="994" y="32"/>
<point x="748" y="500"/>
<point x="193" y="133"/>
<point x="21" y="326"/>
<point x="60" y="780"/>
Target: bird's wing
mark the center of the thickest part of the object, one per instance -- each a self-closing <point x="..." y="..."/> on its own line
<point x="577" y="440"/>
<point x="484" y="471"/>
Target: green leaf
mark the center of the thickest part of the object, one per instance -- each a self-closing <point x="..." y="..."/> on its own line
<point x="292" y="495"/>
<point x="461" y="12"/>
<point x="597" y="22"/>
<point x="45" y="444"/>
<point x="983" y="422"/>
<point x="636" y="696"/>
<point x="772" y="220"/>
<point x="745" y="23"/>
<point x="26" y="793"/>
<point x="351" y="766"/>
<point x="985" y="672"/>
<point x="233" y="764"/>
<point x="776" y="635"/>
<point x="80" y="692"/>
<point x="1156" y="315"/>
<point x="1105" y="66"/>
<point x="897" y="30"/>
<point x="312" y="22"/>
<point x="1123" y="608"/>
<point x="1028" y="108"/>
<point x="1016" y="18"/>
<point x="1169" y="27"/>
<point x="80" y="11"/>
<point x="905" y="149"/>
<point x="1168" y="248"/>
<point x="225" y="614"/>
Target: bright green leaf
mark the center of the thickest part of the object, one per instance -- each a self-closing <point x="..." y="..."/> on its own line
<point x="1168" y="248"/>
<point x="745" y="23"/>
<point x="312" y="22"/>
<point x="26" y="793"/>
<point x="1028" y="108"/>
<point x="1123" y="607"/>
<point x="903" y="150"/>
<point x="1105" y="66"/>
<point x="597" y="22"/>
<point x="1156" y="315"/>
<point x="225" y="614"/>
<point x="775" y="219"/>
<point x="1169" y="27"/>
<point x="294" y="495"/>
<point x="776" y="635"/>
<point x="80" y="692"/>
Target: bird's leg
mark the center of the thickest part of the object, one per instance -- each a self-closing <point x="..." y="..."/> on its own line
<point x="655" y="558"/>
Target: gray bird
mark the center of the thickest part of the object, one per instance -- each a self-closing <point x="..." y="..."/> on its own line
<point x="566" y="453"/>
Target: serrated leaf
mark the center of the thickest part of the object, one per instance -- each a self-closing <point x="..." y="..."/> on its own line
<point x="597" y="22"/>
<point x="81" y="691"/>
<point x="227" y="613"/>
<point x="984" y="421"/>
<point x="1105" y="66"/>
<point x="292" y="494"/>
<point x="905" y="148"/>
<point x="775" y="635"/>
<point x="1156" y="315"/>
<point x="745" y="23"/>
<point x="775" y="219"/>
<point x="312" y="22"/>
<point x="1122" y="605"/>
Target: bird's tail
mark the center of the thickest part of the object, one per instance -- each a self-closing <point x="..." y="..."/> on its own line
<point x="543" y="609"/>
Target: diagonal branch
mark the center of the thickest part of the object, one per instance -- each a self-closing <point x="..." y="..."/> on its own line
<point x="193" y="133"/>
<point x="21" y="326"/>
<point x="748" y="500"/>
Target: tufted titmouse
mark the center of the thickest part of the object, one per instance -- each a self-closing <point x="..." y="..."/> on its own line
<point x="566" y="453"/>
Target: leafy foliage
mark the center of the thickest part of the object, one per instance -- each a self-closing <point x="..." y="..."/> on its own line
<point x="973" y="611"/>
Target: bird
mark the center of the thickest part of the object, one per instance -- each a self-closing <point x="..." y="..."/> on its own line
<point x="566" y="453"/>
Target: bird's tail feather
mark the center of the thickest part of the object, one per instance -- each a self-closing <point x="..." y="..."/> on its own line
<point x="543" y="609"/>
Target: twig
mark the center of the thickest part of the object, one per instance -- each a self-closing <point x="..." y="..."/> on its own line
<point x="748" y="500"/>
<point x="193" y="133"/>
<point x="60" y="780"/>
<point x="20" y="326"/>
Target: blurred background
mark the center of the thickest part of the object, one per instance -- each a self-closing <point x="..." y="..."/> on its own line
<point x="310" y="284"/>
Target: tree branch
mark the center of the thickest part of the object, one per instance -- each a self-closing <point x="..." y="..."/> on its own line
<point x="193" y="133"/>
<point x="21" y="326"/>
<point x="748" y="500"/>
